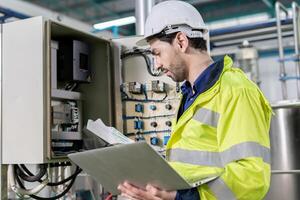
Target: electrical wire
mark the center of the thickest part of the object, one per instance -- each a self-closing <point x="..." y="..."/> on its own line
<point x="23" y="191"/>
<point x="109" y="197"/>
<point x="143" y="100"/>
<point x="31" y="177"/>
<point x="70" y="86"/>
<point x="159" y="100"/>
<point x="49" y="198"/>
<point x="63" y="164"/>
<point x="142" y="52"/>
<point x="145" y="92"/>
<point x="77" y="171"/>
<point x="125" y="96"/>
<point x="141" y="117"/>
<point x="148" y="132"/>
<point x="31" y="192"/>
<point x="23" y="196"/>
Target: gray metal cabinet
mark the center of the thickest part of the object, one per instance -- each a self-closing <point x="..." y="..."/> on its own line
<point x="27" y="92"/>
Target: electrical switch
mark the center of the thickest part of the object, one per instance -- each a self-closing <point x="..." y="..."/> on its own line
<point x="169" y="123"/>
<point x="153" y="124"/>
<point x="168" y="106"/>
<point x="138" y="124"/>
<point x="154" y="140"/>
<point x="139" y="108"/>
<point x="166" y="139"/>
<point x="152" y="107"/>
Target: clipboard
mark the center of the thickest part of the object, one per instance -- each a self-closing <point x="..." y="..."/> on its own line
<point x="138" y="163"/>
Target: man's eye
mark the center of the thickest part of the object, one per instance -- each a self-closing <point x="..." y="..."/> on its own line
<point x="155" y="53"/>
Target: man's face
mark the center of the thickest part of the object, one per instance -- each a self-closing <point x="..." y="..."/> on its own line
<point x="168" y="58"/>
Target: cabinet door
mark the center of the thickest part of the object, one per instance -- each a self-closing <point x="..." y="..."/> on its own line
<point x="24" y="96"/>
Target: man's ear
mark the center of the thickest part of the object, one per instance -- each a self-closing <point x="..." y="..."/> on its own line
<point x="182" y="41"/>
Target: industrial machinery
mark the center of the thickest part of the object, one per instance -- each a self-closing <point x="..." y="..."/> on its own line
<point x="285" y="151"/>
<point x="247" y="58"/>
<point x="285" y="124"/>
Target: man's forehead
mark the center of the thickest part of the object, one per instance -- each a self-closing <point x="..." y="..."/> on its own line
<point x="156" y="44"/>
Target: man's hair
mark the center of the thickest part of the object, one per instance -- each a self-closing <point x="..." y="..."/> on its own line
<point x="196" y="43"/>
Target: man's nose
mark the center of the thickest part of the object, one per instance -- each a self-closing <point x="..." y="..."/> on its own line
<point x="158" y="65"/>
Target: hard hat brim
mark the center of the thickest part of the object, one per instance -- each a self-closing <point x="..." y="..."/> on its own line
<point x="142" y="42"/>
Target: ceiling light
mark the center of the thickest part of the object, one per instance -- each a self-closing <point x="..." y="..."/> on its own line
<point x="117" y="22"/>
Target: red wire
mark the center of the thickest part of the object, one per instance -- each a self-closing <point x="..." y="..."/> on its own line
<point x="109" y="197"/>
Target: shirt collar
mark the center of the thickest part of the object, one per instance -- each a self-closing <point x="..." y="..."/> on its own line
<point x="202" y="79"/>
<point x="186" y="88"/>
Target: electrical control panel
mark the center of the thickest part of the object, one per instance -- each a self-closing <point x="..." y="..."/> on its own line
<point x="148" y="113"/>
<point x="66" y="107"/>
<point x="55" y="78"/>
<point x="146" y="100"/>
<point x="73" y="60"/>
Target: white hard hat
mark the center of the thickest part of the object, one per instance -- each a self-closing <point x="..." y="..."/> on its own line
<point x="171" y="17"/>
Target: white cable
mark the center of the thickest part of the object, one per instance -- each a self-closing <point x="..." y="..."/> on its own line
<point x="16" y="189"/>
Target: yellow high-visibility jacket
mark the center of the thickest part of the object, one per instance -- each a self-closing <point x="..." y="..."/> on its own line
<point x="225" y="131"/>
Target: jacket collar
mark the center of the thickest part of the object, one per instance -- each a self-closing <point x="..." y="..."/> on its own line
<point x="205" y="96"/>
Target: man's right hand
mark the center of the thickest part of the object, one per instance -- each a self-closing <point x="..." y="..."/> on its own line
<point x="151" y="193"/>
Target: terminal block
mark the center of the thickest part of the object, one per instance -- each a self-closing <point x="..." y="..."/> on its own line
<point x="62" y="114"/>
<point x="138" y="124"/>
<point x="135" y="88"/>
<point x="158" y="86"/>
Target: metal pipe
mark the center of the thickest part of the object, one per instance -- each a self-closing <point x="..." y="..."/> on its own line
<point x="150" y="4"/>
<point x="278" y="8"/>
<point x="3" y="168"/>
<point x="286" y="171"/>
<point x="142" y="10"/>
<point x="295" y="9"/>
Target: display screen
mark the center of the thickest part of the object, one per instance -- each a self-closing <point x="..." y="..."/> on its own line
<point x="83" y="61"/>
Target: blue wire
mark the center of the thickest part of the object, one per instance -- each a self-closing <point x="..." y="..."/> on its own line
<point x="140" y="117"/>
<point x="147" y="132"/>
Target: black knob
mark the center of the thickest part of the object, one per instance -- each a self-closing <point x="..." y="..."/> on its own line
<point x="153" y="124"/>
<point x="168" y="106"/>
<point x="168" y="123"/>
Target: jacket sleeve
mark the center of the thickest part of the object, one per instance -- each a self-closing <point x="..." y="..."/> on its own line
<point x="243" y="139"/>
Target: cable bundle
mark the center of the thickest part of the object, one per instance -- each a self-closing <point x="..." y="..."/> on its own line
<point x="20" y="172"/>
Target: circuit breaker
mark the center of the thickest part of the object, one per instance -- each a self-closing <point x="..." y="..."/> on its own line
<point x="55" y="78"/>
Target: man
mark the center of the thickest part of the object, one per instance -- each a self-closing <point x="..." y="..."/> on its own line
<point x="223" y="121"/>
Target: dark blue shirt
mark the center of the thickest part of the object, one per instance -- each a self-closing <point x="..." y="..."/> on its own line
<point x="204" y="81"/>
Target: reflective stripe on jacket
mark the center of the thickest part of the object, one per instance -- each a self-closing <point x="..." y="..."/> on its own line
<point x="225" y="131"/>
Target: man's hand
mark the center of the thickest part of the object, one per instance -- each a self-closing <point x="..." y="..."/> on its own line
<point x="150" y="193"/>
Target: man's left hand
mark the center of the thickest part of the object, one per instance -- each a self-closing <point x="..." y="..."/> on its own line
<point x="150" y="193"/>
